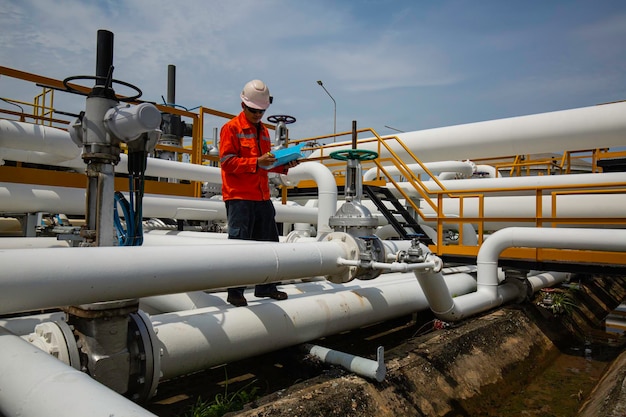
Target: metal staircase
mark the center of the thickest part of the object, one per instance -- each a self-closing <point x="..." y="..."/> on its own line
<point x="407" y="227"/>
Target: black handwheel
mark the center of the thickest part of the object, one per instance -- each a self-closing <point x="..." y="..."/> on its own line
<point x="275" y="118"/>
<point x="360" y="154"/>
<point x="97" y="78"/>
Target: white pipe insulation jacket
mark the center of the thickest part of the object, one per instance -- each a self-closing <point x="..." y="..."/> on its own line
<point x="32" y="198"/>
<point x="604" y="126"/>
<point x="31" y="137"/>
<point x="612" y="240"/>
<point x="198" y="339"/>
<point x="465" y="168"/>
<point x="490" y="292"/>
<point x="326" y="190"/>
<point x="519" y="185"/>
<point x="93" y="274"/>
<point x="34" y="383"/>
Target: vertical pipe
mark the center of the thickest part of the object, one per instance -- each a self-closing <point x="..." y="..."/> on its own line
<point x="171" y="85"/>
<point x="104" y="54"/>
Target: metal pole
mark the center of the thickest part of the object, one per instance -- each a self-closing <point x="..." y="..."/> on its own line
<point x="334" y="111"/>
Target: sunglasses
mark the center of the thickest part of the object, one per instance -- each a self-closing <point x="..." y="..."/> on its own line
<point x="254" y="111"/>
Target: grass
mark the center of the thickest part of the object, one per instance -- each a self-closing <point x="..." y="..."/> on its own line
<point x="225" y="402"/>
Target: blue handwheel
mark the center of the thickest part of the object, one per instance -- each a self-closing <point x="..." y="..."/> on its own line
<point x="360" y="154"/>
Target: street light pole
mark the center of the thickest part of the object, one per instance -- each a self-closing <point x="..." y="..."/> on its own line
<point x="334" y="112"/>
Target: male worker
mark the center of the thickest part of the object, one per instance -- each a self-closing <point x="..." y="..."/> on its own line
<point x="245" y="155"/>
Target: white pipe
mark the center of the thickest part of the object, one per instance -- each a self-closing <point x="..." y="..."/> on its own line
<point x="95" y="274"/>
<point x="604" y="126"/>
<point x="32" y="242"/>
<point x="525" y="207"/>
<point x="23" y="325"/>
<point x="465" y="168"/>
<point x="546" y="279"/>
<point x="574" y="238"/>
<point x="575" y="181"/>
<point x="198" y="339"/>
<point x="489" y="292"/>
<point x="356" y="364"/>
<point x="33" y="198"/>
<point x="327" y="190"/>
<point x="33" y="384"/>
<point x="31" y="137"/>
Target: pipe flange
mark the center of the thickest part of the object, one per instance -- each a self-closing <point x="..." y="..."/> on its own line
<point x="57" y="339"/>
<point x="347" y="273"/>
<point x="144" y="351"/>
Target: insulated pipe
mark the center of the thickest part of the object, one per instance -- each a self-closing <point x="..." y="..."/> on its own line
<point x="546" y="279"/>
<point x="23" y="325"/>
<point x="604" y="126"/>
<point x="32" y="242"/>
<point x="327" y="190"/>
<point x="96" y="274"/>
<point x="575" y="181"/>
<point x="465" y="168"/>
<point x="33" y="384"/>
<point x="525" y="207"/>
<point x="38" y="138"/>
<point x="613" y="240"/>
<point x="489" y="292"/>
<point x="198" y="339"/>
<point x="32" y="198"/>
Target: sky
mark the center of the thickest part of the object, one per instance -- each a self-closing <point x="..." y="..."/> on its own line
<point x="389" y="65"/>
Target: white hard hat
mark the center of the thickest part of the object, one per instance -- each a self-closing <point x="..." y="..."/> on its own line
<point x="256" y="95"/>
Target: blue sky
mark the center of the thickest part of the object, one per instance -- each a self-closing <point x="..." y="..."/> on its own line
<point x="410" y="65"/>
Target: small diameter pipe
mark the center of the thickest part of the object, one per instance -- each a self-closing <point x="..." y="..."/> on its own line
<point x="34" y="384"/>
<point x="393" y="266"/>
<point x="190" y="341"/>
<point x="356" y="364"/>
<point x="95" y="274"/>
<point x="465" y="168"/>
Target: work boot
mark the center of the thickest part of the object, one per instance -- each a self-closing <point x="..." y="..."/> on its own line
<point x="273" y="293"/>
<point x="238" y="300"/>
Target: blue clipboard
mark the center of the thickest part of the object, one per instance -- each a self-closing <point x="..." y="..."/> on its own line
<point x="286" y="155"/>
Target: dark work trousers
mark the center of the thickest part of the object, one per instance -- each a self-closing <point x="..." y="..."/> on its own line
<point x="252" y="220"/>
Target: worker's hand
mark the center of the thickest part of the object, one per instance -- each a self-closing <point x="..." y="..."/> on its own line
<point x="266" y="159"/>
<point x="292" y="164"/>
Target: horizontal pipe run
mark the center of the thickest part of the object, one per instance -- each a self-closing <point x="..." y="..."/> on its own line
<point x="33" y="198"/>
<point x="33" y="384"/>
<point x="199" y="339"/>
<point x="95" y="274"/>
<point x="393" y="266"/>
<point x="575" y="129"/>
<point x="613" y="240"/>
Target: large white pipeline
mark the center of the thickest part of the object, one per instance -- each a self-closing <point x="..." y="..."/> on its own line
<point x="95" y="274"/>
<point x="490" y="292"/>
<point x="32" y="198"/>
<point x="33" y="383"/>
<point x="201" y="338"/>
<point x="525" y="207"/>
<point x="604" y="126"/>
<point x="520" y="185"/>
<point x="37" y="138"/>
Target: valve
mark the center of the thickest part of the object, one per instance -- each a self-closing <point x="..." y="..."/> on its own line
<point x="281" y="136"/>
